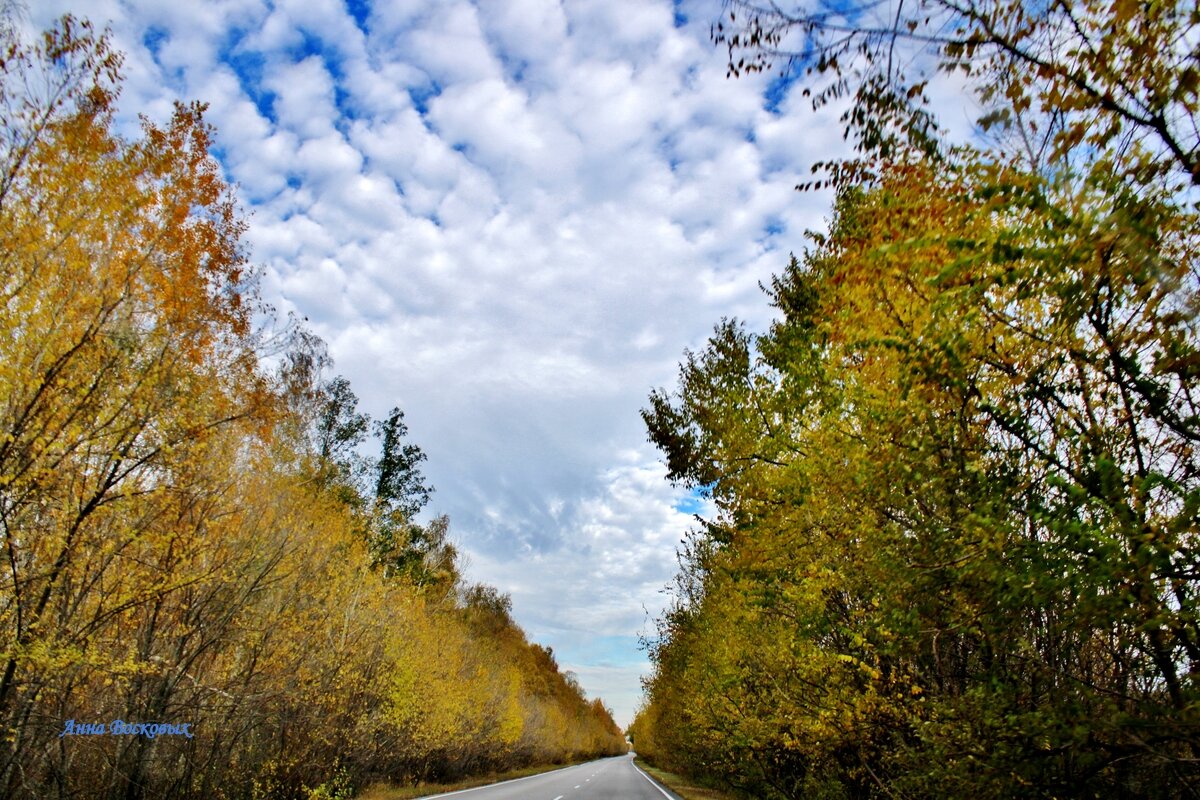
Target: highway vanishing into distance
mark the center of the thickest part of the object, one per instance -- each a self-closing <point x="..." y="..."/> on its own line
<point x="607" y="779"/>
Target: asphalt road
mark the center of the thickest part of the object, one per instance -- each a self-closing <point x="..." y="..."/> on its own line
<point x="606" y="779"/>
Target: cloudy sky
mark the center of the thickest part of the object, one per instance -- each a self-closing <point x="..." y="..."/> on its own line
<point x="510" y="218"/>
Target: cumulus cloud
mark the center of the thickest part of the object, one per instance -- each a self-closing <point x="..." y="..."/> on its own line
<point x="508" y="218"/>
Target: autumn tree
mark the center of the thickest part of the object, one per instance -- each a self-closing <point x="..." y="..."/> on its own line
<point x="190" y="538"/>
<point x="956" y="545"/>
<point x="955" y="551"/>
<point x="1120" y="77"/>
<point x="127" y="352"/>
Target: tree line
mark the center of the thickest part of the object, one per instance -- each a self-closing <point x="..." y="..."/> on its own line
<point x="199" y="563"/>
<point x="955" y="552"/>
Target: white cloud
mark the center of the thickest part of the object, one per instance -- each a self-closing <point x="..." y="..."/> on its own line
<point x="449" y="45"/>
<point x="530" y="32"/>
<point x="304" y="101"/>
<point x="491" y="121"/>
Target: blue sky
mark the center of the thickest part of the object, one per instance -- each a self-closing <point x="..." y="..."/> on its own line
<point x="509" y="218"/>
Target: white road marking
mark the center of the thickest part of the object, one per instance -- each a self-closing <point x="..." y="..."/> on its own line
<point x="501" y="783"/>
<point x="652" y="783"/>
<point x="560" y="797"/>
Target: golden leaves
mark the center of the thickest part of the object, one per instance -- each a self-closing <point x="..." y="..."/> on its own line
<point x="166" y="557"/>
<point x="977" y="508"/>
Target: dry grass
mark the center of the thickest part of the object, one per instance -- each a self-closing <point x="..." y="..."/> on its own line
<point x="683" y="786"/>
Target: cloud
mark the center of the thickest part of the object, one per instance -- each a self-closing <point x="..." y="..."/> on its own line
<point x="304" y="97"/>
<point x="528" y="34"/>
<point x="594" y="594"/>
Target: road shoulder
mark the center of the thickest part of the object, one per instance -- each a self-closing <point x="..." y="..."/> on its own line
<point x="680" y="785"/>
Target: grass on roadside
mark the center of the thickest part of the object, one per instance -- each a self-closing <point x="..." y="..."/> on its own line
<point x="682" y="786"/>
<point x="388" y="792"/>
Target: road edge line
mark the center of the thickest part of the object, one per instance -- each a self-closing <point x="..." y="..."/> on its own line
<point x="500" y="783"/>
<point x="653" y="782"/>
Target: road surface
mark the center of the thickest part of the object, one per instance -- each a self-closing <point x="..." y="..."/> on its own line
<point x="606" y="779"/>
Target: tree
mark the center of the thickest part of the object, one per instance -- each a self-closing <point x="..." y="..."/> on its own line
<point x="956" y="545"/>
<point x="128" y="362"/>
<point x="956" y="549"/>
<point x="339" y="429"/>
<point x="186" y="537"/>
<point x="399" y="486"/>
<point x="1122" y="78"/>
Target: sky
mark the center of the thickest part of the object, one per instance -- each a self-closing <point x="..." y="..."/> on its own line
<point x="509" y="218"/>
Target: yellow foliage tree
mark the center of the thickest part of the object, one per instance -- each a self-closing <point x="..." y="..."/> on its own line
<point x="180" y="544"/>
